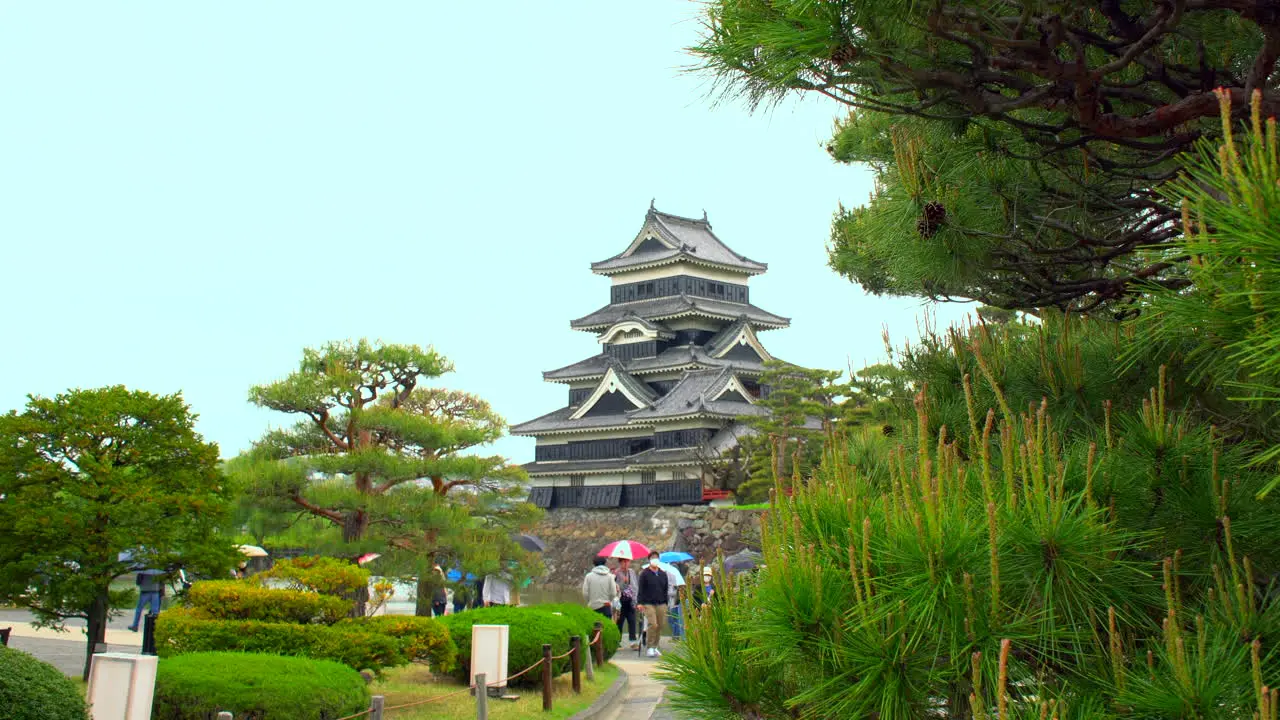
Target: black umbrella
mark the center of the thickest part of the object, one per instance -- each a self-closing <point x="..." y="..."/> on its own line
<point x="530" y="543"/>
<point x="743" y="561"/>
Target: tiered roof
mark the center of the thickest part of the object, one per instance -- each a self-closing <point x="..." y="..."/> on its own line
<point x="708" y="382"/>
<point x="676" y="239"/>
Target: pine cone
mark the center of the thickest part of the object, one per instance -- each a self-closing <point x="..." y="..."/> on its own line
<point x="934" y="216"/>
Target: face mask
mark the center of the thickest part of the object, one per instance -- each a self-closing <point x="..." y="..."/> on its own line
<point x="653" y="562"/>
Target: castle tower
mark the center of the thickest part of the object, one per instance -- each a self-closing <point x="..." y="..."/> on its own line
<point x="679" y="364"/>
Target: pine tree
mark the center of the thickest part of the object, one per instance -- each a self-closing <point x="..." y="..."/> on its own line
<point x="383" y="461"/>
<point x="1018" y="146"/>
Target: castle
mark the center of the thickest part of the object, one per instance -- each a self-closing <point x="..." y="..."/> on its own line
<point x="679" y="366"/>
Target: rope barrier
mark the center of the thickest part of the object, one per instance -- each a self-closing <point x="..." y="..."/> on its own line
<point x="437" y="698"/>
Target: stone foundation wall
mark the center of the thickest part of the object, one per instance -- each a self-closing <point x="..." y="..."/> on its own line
<point x="574" y="535"/>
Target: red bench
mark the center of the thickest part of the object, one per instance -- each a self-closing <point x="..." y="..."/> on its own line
<point x="709" y="495"/>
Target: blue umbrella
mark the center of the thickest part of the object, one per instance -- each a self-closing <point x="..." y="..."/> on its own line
<point x="675" y="557"/>
<point x="455" y="575"/>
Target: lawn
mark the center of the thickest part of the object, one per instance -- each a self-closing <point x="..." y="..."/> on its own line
<point x="415" y="683"/>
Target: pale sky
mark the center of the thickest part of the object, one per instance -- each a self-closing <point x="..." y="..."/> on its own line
<point x="190" y="193"/>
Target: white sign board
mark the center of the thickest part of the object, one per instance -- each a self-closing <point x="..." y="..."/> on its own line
<point x="488" y="654"/>
<point x="121" y="686"/>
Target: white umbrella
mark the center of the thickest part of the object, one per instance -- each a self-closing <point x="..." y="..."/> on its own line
<point x="251" y="551"/>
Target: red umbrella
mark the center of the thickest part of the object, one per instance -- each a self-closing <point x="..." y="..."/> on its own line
<point x="624" y="550"/>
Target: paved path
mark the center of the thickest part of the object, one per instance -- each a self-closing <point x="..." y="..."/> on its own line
<point x="65" y="650"/>
<point x="644" y="698"/>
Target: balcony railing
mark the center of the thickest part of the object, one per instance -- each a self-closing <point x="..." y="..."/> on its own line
<point x="671" y="492"/>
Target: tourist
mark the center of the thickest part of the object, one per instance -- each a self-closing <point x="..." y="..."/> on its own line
<point x="675" y="589"/>
<point x="462" y="595"/>
<point x="497" y="591"/>
<point x="439" y="592"/>
<point x="599" y="589"/>
<point x="704" y="591"/>
<point x="651" y="599"/>
<point x="150" y="595"/>
<point x="627" y="584"/>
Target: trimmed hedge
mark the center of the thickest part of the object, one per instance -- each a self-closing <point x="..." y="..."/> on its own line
<point x="530" y="629"/>
<point x="586" y="618"/>
<point x="179" y="632"/>
<point x="423" y="639"/>
<point x="240" y="600"/>
<point x="35" y="690"/>
<point x="252" y="686"/>
<point x="325" y="575"/>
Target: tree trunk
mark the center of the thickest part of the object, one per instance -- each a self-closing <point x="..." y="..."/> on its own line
<point x="354" y="525"/>
<point x="426" y="588"/>
<point x="96" y="627"/>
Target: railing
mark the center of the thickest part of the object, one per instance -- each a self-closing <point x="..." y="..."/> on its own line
<point x="378" y="707"/>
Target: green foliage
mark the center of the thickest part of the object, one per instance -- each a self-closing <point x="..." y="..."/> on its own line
<point x="717" y="671"/>
<point x="1230" y="195"/>
<point x="999" y="177"/>
<point x="1046" y="525"/>
<point x="368" y="434"/>
<point x="179" y="632"/>
<point x="89" y="474"/>
<point x="530" y="628"/>
<point x="423" y="639"/>
<point x="586" y="620"/>
<point x="198" y="686"/>
<point x="34" y="690"/>
<point x="243" y="600"/>
<point x="802" y="403"/>
<point x="325" y="575"/>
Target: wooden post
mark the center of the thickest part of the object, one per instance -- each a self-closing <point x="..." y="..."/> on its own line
<point x="375" y="707"/>
<point x="575" y="662"/>
<point x="598" y="648"/>
<point x="546" y="678"/>
<point x="482" y="698"/>
<point x="4" y="635"/>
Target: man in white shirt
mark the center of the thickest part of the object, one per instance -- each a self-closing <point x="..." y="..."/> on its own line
<point x="496" y="591"/>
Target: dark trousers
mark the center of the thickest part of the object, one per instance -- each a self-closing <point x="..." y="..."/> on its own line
<point x="628" y="616"/>
<point x="459" y="606"/>
<point x="606" y="611"/>
<point x="437" y="609"/>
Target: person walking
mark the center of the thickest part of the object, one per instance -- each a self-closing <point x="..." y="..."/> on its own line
<point x="497" y="591"/>
<point x="651" y="599"/>
<point x="599" y="589"/>
<point x="704" y="591"/>
<point x="675" y="591"/>
<point x="439" y="592"/>
<point x="150" y="595"/>
<point x="628" y="583"/>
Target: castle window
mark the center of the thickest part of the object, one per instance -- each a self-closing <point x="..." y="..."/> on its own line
<point x="577" y="480"/>
<point x="648" y="477"/>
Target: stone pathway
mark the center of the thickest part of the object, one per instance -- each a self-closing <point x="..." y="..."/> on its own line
<point x="644" y="699"/>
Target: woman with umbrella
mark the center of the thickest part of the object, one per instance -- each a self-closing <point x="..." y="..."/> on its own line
<point x="628" y="582"/>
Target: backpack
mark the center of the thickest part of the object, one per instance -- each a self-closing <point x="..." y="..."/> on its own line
<point x="628" y="588"/>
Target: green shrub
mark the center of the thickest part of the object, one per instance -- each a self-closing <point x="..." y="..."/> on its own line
<point x="252" y="686"/>
<point x="34" y="690"/>
<point x="325" y="575"/>
<point x="179" y="632"/>
<point x="530" y="628"/>
<point x="586" y="619"/>
<point x="423" y="639"/>
<point x="240" y="600"/>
